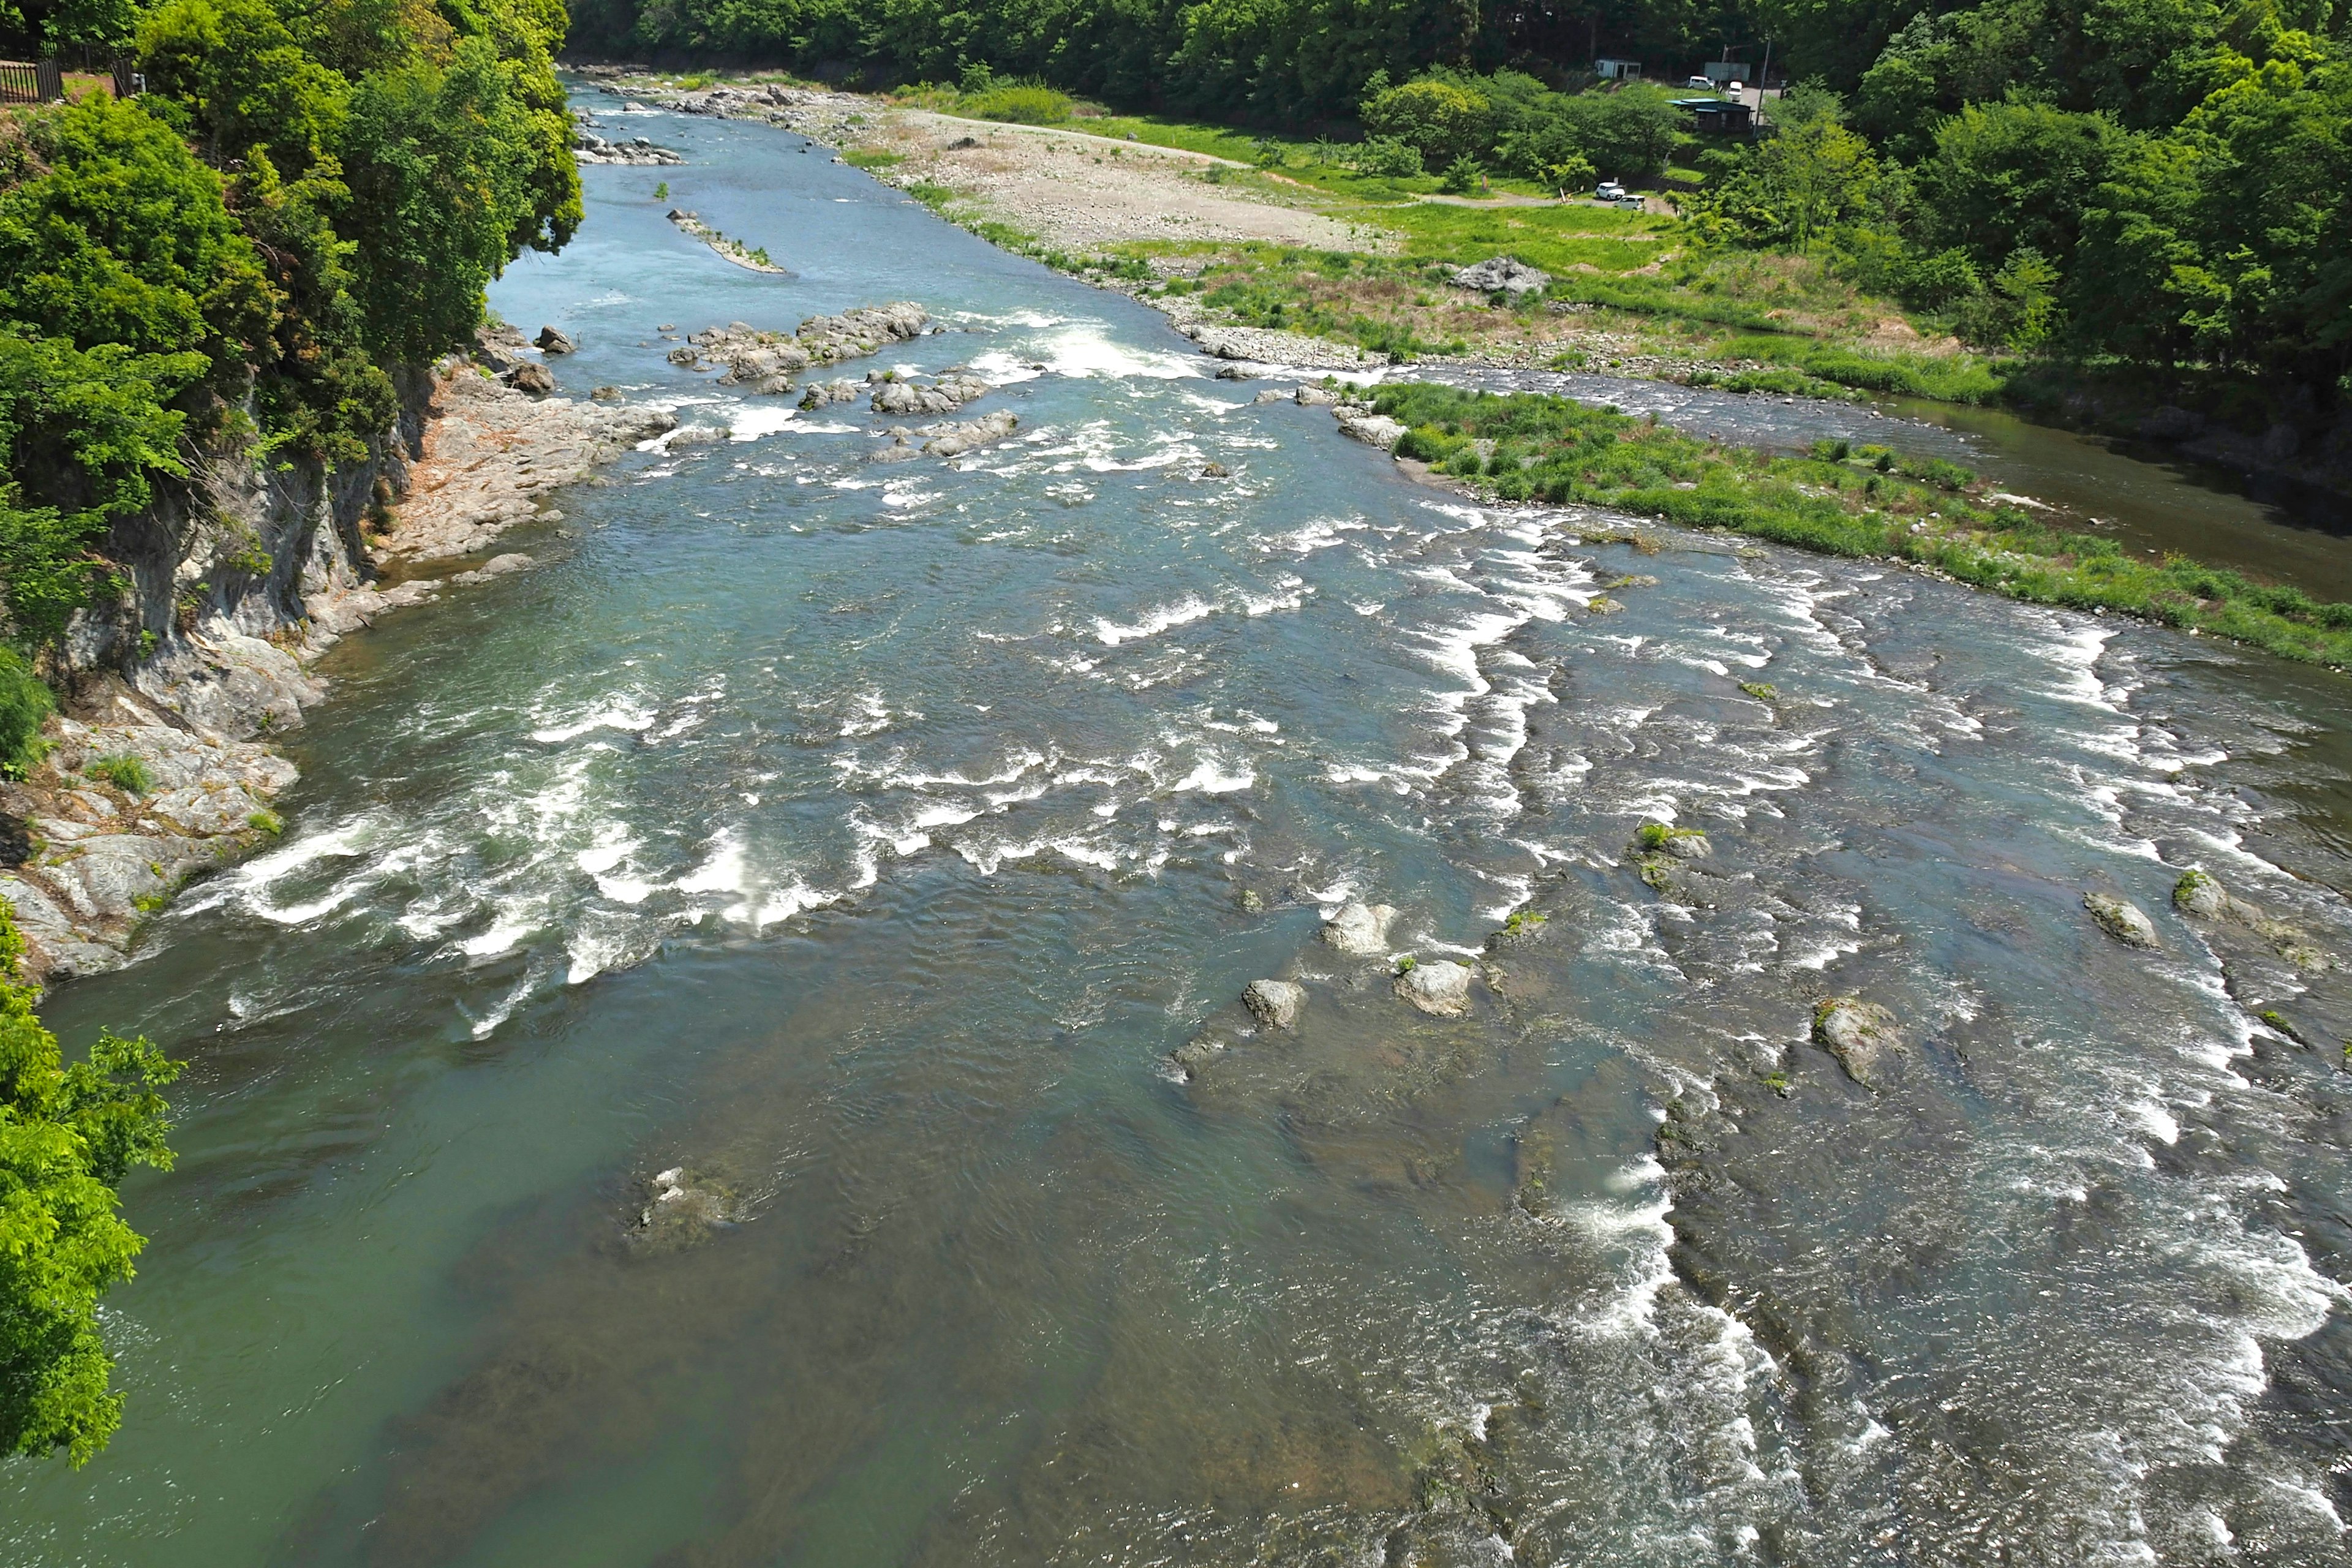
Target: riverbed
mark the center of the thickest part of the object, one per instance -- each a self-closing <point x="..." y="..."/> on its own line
<point x="857" y="844"/>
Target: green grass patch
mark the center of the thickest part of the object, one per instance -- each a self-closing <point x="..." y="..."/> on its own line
<point x="127" y="774"/>
<point x="1020" y="103"/>
<point x="871" y="158"/>
<point x="1842" y="501"/>
<point x="1647" y="297"/>
<point x="1957" y="378"/>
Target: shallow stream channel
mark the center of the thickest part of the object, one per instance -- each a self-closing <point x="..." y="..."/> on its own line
<point x="737" y="1058"/>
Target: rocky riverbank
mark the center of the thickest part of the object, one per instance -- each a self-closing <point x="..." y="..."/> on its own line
<point x="161" y="767"/>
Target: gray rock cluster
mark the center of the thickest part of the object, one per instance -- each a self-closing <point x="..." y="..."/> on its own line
<point x="950" y="391"/>
<point x="1503" y="274"/>
<point x="947" y="440"/>
<point x="105" y="847"/>
<point x="767" y="362"/>
<point x="590" y="148"/>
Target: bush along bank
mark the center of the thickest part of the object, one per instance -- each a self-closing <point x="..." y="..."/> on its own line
<point x="1842" y="501"/>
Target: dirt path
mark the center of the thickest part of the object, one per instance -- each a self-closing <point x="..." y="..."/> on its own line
<point x="1076" y="191"/>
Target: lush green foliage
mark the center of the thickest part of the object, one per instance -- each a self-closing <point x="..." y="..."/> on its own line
<point x="1842" y="501"/>
<point x="68" y="1134"/>
<point x="306" y="194"/>
<point x="24" y="704"/>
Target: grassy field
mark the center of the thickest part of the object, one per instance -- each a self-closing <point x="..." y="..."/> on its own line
<point x="1844" y="501"/>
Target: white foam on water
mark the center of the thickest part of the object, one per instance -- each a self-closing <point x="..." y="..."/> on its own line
<point x="1151" y="622"/>
<point x="722" y="872"/>
<point x="1215" y="775"/>
<point x="1087" y="350"/>
<point x="750" y="421"/>
<point x="511" y="922"/>
<point x="622" y="711"/>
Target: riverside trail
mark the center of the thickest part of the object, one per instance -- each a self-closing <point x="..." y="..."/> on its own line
<point x="739" y="1056"/>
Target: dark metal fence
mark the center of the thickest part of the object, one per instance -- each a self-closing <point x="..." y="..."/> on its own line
<point x="27" y="82"/>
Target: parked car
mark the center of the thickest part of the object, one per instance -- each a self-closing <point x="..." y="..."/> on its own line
<point x="1700" y="83"/>
<point x="1610" y="191"/>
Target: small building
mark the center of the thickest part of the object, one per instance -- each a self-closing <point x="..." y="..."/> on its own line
<point x="1718" y="116"/>
<point x="1618" y="71"/>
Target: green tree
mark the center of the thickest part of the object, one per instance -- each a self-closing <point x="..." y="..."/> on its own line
<point x="68" y="1135"/>
<point x="2005" y="176"/>
<point x="1445" y="121"/>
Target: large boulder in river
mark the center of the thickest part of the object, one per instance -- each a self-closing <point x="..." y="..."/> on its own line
<point x="553" y="341"/>
<point x="1373" y="429"/>
<point x="1503" y="274"/>
<point x="1274" y="1004"/>
<point x="1441" y="987"/>
<point x="1858" y="1034"/>
<point x="2122" y="918"/>
<point x="2200" y="894"/>
<point x="1359" y="929"/>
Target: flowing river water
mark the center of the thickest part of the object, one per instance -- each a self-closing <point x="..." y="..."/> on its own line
<point x="862" y="840"/>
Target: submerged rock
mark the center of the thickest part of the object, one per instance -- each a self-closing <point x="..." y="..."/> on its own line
<point x="1361" y="930"/>
<point x="1274" y="1004"/>
<point x="680" y="1207"/>
<point x="1196" y="1054"/>
<point x="1858" y="1034"/>
<point x="2122" y="918"/>
<point x="1503" y="274"/>
<point x="1441" y="987"/>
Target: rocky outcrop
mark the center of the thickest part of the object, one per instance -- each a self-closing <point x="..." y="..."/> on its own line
<point x="486" y="465"/>
<point x="1373" y="429"/>
<point x="822" y="394"/>
<point x="946" y="440"/>
<point x="129" y="803"/>
<point x="1361" y="930"/>
<point x="725" y="246"/>
<point x="1503" y="274"/>
<point x="590" y="148"/>
<point x="1440" y="987"/>
<point x="554" y="341"/>
<point x="2122" y="918"/>
<point x="1858" y="1034"/>
<point x="950" y="391"/>
<point x="1274" y="1004"/>
<point x="1267" y="346"/>
<point x="766" y="362"/>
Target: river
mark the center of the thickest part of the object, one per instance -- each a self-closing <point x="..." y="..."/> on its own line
<point x="862" y="840"/>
